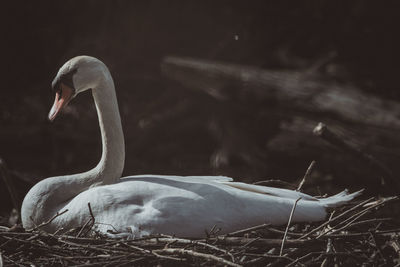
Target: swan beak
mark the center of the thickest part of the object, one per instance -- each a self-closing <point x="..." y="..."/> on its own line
<point x="63" y="96"/>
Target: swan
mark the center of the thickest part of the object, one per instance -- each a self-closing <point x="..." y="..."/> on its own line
<point x="138" y="205"/>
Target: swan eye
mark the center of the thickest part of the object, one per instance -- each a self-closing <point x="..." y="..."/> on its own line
<point x="65" y="78"/>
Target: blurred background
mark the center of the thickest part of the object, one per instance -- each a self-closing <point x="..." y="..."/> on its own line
<point x="208" y="87"/>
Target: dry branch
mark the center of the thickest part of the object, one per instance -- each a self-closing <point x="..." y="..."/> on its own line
<point x="49" y="221"/>
<point x="304" y="90"/>
<point x="306" y="175"/>
<point x="287" y="226"/>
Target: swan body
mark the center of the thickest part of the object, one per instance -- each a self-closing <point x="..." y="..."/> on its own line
<point x="148" y="204"/>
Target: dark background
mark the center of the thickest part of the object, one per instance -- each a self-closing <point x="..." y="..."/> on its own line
<point x="170" y="129"/>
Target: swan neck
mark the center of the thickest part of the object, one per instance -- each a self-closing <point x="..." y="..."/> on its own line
<point x="112" y="160"/>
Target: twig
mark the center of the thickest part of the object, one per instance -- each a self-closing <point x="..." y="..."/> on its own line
<point x="250" y="242"/>
<point x="262" y="257"/>
<point x="196" y="254"/>
<point x="355" y="217"/>
<point x="326" y="261"/>
<point x="213" y="232"/>
<point x="294" y="254"/>
<point x="337" y="217"/>
<point x="334" y="230"/>
<point x="303" y="257"/>
<point x="152" y="252"/>
<point x="87" y="222"/>
<point x="377" y="247"/>
<point x="288" y="224"/>
<point x="250" y="229"/>
<point x="277" y="231"/>
<point x="83" y="227"/>
<point x="306" y="175"/>
<point x="264" y="242"/>
<point x="165" y="257"/>
<point x="4" y="228"/>
<point x="93" y="220"/>
<point x="13" y="262"/>
<point x="111" y="263"/>
<point x="109" y="250"/>
<point x="91" y="212"/>
<point x="330" y="218"/>
<point x="195" y="242"/>
<point x="374" y="220"/>
<point x="394" y="244"/>
<point x="49" y="221"/>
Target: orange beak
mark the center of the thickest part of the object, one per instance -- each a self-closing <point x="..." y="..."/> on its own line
<point x="63" y="96"/>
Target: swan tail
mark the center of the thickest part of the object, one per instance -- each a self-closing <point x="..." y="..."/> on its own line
<point x="339" y="199"/>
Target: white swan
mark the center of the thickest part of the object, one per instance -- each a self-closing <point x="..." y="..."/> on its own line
<point x="146" y="204"/>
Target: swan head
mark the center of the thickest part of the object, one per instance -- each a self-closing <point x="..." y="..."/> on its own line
<point x="75" y="76"/>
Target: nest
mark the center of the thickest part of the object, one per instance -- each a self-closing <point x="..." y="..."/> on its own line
<point x="354" y="235"/>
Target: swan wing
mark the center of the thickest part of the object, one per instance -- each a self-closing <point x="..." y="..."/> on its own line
<point x="193" y="179"/>
<point x="278" y="192"/>
<point x="227" y="181"/>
